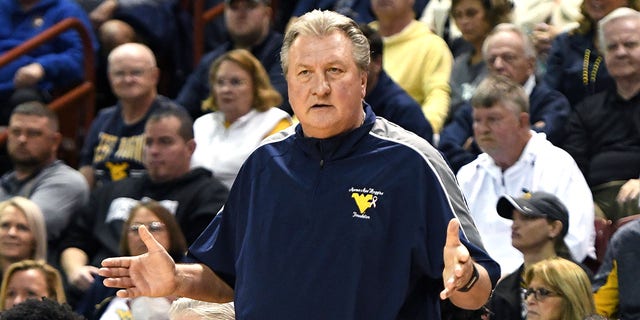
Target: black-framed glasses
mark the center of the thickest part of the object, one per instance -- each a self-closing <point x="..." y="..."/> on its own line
<point x="153" y="227"/>
<point x="540" y="293"/>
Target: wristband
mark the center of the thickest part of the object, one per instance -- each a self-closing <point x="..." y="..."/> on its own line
<point x="472" y="281"/>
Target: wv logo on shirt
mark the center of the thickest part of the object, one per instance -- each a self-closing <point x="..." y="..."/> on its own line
<point x="365" y="198"/>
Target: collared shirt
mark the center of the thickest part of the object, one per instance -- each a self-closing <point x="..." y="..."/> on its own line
<point x="541" y="167"/>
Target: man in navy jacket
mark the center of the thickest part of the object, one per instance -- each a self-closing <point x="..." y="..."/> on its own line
<point x="508" y="52"/>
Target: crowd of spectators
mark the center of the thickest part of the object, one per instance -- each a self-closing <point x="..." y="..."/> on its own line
<point x="530" y="104"/>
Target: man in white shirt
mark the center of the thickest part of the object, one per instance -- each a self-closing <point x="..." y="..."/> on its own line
<point x="516" y="160"/>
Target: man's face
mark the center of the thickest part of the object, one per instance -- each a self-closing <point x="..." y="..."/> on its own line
<point x="391" y="8"/>
<point x="247" y="22"/>
<point x="166" y="155"/>
<point x="622" y="48"/>
<point x="495" y="129"/>
<point x="506" y="56"/>
<point x="31" y="141"/>
<point x="132" y="76"/>
<point x="326" y="87"/>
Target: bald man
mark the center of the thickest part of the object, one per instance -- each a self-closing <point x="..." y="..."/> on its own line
<point x="113" y="147"/>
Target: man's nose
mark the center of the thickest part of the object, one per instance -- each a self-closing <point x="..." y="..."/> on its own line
<point x="321" y="86"/>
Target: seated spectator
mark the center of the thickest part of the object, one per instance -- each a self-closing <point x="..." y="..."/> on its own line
<point x="386" y="97"/>
<point x="509" y="53"/>
<point x="242" y="101"/>
<point x="543" y="20"/>
<point x="30" y="279"/>
<point x="192" y="195"/>
<point x="575" y="65"/>
<point x="602" y="132"/>
<point x="55" y="188"/>
<point x="113" y="147"/>
<point x="22" y="232"/>
<point x="475" y="19"/>
<point x="516" y="159"/>
<point x="121" y="21"/>
<point x="189" y="309"/>
<point x="540" y="223"/>
<point x="616" y="283"/>
<point x="101" y="302"/>
<point x="558" y="289"/>
<point x="45" y="309"/>
<point x="425" y="76"/>
<point x="56" y="64"/>
<point x="248" y="23"/>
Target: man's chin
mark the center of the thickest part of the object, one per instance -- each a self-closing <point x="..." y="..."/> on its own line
<point x="25" y="162"/>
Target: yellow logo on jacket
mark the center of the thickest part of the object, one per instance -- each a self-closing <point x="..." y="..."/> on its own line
<point x="365" y="199"/>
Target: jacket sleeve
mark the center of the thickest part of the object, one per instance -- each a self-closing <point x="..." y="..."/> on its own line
<point x="577" y="140"/>
<point x="606" y="297"/>
<point x="436" y="83"/>
<point x="553" y="76"/>
<point x="455" y="135"/>
<point x="552" y="108"/>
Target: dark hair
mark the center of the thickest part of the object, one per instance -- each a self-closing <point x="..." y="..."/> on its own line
<point x="177" y="242"/>
<point x="186" y="123"/>
<point x="45" y="309"/>
<point x="39" y="109"/>
<point x="375" y="40"/>
<point x="496" y="11"/>
<point x="586" y="24"/>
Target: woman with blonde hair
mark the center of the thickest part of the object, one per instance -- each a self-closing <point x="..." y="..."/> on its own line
<point x="242" y="100"/>
<point x="558" y="289"/>
<point x="30" y="279"/>
<point x="23" y="234"/>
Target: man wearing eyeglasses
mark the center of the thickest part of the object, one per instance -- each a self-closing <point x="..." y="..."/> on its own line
<point x="113" y="148"/>
<point x="248" y="23"/>
<point x="192" y="195"/>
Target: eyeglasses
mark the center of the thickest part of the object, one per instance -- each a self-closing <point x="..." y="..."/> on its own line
<point x="540" y="293"/>
<point x="134" y="73"/>
<point x="153" y="227"/>
<point x="233" y="82"/>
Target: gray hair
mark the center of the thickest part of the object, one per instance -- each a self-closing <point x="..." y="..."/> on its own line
<point x="206" y="310"/>
<point x="496" y="88"/>
<point x="529" y="49"/>
<point x="620" y="13"/>
<point x="322" y="23"/>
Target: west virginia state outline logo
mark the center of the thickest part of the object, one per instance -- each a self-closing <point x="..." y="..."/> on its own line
<point x="364" y="198"/>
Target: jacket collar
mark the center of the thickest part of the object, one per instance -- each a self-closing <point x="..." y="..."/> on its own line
<point x="339" y="146"/>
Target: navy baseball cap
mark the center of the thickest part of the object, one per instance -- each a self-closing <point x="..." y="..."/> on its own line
<point x="536" y="204"/>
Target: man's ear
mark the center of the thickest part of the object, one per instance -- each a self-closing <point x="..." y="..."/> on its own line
<point x="191" y="145"/>
<point x="524" y="119"/>
<point x="56" y="139"/>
